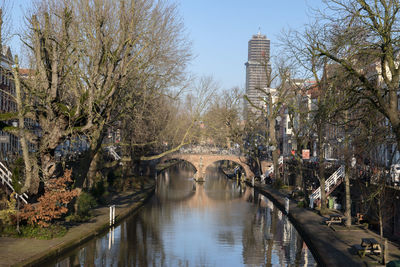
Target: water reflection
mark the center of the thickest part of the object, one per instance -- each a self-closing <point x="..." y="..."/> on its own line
<point x="218" y="223"/>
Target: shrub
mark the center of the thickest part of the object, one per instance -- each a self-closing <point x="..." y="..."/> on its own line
<point x="53" y="204"/>
<point x="17" y="174"/>
<point x="100" y="189"/>
<point x="278" y="184"/>
<point x="7" y="215"/>
<point x="86" y="202"/>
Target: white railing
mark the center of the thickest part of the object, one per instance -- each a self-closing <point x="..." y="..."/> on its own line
<point x="330" y="182"/>
<point x="113" y="153"/>
<point x="5" y="176"/>
<point x="271" y="168"/>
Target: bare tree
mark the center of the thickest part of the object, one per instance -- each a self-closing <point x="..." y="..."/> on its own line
<point x="303" y="53"/>
<point x="274" y="99"/>
<point x="222" y="118"/>
<point x="297" y="105"/>
<point x="363" y="38"/>
<point x="92" y="58"/>
<point x="183" y="126"/>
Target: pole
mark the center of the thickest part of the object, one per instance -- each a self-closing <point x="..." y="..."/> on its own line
<point x="311" y="202"/>
<point x="112" y="215"/>
<point x="287" y="205"/>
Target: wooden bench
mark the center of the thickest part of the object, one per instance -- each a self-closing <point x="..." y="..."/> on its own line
<point x="334" y="218"/>
<point x="371" y="244"/>
<point x="361" y="251"/>
<point x="368" y="246"/>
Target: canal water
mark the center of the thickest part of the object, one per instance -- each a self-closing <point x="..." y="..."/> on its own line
<point x="217" y="223"/>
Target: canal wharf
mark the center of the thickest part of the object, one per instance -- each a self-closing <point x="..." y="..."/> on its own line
<point x="33" y="252"/>
<point x="330" y="246"/>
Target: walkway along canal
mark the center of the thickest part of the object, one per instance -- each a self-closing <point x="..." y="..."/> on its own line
<point x="216" y="223"/>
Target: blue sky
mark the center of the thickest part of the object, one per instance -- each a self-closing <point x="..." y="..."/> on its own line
<point x="220" y="30"/>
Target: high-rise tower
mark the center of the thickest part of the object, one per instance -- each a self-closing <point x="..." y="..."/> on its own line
<point x="257" y="67"/>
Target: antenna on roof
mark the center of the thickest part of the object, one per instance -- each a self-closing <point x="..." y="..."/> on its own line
<point x="259" y="31"/>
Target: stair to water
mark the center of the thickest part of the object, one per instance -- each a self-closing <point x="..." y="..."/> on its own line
<point x="113" y="153"/>
<point x="5" y="177"/>
<point x="330" y="184"/>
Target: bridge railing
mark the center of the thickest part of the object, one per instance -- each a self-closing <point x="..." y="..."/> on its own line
<point x="210" y="150"/>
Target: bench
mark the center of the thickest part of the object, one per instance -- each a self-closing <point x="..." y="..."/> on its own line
<point x="334" y="218"/>
<point x="368" y="246"/>
<point x="361" y="251"/>
<point x="371" y="244"/>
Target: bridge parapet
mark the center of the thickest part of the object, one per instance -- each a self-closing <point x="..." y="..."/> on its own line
<point x="210" y="150"/>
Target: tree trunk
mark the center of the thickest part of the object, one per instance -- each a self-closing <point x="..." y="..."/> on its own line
<point x="18" y="214"/>
<point x="48" y="164"/>
<point x="347" y="212"/>
<point x="30" y="173"/>
<point x="380" y="215"/>
<point x="347" y="158"/>
<point x="274" y="143"/>
<point x="299" y="172"/>
<point x="258" y="162"/>
<point x="54" y="131"/>
<point x="321" y="171"/>
<point x="94" y="156"/>
<point x="92" y="172"/>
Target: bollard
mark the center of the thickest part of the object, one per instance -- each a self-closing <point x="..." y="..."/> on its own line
<point x="287" y="205"/>
<point x="112" y="215"/>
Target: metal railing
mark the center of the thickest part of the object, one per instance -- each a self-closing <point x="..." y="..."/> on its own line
<point x="5" y="176"/>
<point x="113" y="153"/>
<point x="210" y="150"/>
<point x="330" y="182"/>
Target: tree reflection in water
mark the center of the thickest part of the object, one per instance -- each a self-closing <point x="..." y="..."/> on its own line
<point x="218" y="223"/>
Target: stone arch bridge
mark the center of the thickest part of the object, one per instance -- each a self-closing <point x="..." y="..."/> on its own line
<point x="201" y="161"/>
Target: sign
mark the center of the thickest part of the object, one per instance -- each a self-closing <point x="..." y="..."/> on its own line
<point x="4" y="139"/>
<point x="305" y="153"/>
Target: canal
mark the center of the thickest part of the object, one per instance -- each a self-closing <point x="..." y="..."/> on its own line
<point x="217" y="223"/>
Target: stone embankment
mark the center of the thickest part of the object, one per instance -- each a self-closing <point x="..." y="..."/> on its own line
<point x="330" y="246"/>
<point x="33" y="252"/>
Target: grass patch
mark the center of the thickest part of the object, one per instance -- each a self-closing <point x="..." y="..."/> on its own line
<point x="301" y="204"/>
<point x="29" y="231"/>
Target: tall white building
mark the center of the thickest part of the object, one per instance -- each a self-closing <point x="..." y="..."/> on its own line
<point x="257" y="67"/>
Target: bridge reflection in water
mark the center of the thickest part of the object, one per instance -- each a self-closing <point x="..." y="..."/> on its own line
<point x="218" y="223"/>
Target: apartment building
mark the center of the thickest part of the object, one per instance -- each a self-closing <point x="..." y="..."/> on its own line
<point x="9" y="144"/>
<point x="257" y="67"/>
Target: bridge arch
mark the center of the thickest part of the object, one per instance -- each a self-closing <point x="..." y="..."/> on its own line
<point x="202" y="161"/>
<point x="237" y="160"/>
